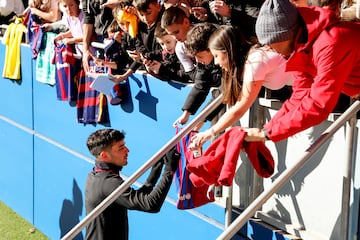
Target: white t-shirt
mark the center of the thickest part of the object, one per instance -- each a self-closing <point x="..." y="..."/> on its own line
<point x="185" y="60"/>
<point x="75" y="26"/>
<point x="269" y="66"/>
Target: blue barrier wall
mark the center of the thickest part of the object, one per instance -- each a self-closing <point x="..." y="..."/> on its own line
<point x="45" y="160"/>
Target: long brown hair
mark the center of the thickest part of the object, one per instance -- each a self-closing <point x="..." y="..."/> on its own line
<point x="230" y="39"/>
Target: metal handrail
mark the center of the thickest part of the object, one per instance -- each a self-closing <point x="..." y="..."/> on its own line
<point x="288" y="173"/>
<point x="127" y="183"/>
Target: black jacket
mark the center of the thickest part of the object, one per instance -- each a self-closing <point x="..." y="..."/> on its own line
<point x="112" y="223"/>
<point x="146" y="42"/>
<point x="204" y="77"/>
<point x="116" y="52"/>
<point x="172" y="69"/>
<point x="100" y="17"/>
<point x="243" y="15"/>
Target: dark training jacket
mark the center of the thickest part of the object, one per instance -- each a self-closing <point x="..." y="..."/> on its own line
<point x="112" y="223"/>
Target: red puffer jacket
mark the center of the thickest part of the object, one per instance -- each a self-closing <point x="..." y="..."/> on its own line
<point x="327" y="64"/>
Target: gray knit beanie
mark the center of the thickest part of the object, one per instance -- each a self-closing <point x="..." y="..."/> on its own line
<point x="278" y="21"/>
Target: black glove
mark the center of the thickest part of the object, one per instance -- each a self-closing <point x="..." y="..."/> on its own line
<point x="155" y="173"/>
<point x="171" y="160"/>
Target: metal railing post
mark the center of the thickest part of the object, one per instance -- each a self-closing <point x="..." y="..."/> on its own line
<point x="288" y="173"/>
<point x="127" y="183"/>
<point x="345" y="211"/>
<point x="228" y="206"/>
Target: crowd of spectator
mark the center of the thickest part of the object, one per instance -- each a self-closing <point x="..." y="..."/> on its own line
<point x="209" y="44"/>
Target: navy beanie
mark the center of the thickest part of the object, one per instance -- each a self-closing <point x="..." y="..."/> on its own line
<point x="278" y="21"/>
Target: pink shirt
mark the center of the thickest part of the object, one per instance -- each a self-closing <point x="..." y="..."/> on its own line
<point x="268" y="66"/>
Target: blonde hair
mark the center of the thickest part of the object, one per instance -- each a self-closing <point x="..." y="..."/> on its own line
<point x="120" y="14"/>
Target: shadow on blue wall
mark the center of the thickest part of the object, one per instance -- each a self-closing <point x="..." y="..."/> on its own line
<point x="71" y="212"/>
<point x="147" y="102"/>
